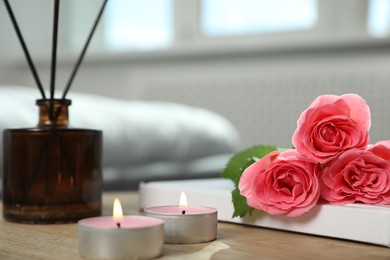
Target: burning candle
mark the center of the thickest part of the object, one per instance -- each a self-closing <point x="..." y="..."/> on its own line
<point x="120" y="236"/>
<point x="184" y="224"/>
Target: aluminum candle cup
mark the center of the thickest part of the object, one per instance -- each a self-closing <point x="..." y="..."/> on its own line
<point x="133" y="237"/>
<point x="186" y="225"/>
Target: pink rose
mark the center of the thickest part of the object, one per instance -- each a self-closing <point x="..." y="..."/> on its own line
<point x="281" y="183"/>
<point x="332" y="125"/>
<point x="357" y="176"/>
<point x="381" y="149"/>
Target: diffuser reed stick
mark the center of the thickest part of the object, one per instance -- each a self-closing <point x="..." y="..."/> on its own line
<point x="54" y="49"/>
<point x="53" y="117"/>
<point x="81" y="57"/>
<point x="25" y="50"/>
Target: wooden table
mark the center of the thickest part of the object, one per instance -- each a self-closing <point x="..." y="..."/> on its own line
<point x="25" y="241"/>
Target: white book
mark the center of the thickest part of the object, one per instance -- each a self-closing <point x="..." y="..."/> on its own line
<point x="358" y="222"/>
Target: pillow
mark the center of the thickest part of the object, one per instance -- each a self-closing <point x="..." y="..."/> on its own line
<point x="134" y="132"/>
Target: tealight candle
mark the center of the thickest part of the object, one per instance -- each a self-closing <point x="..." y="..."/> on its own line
<point x="184" y="224"/>
<point x="118" y="236"/>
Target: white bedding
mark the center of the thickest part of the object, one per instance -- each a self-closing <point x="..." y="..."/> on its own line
<point x="135" y="133"/>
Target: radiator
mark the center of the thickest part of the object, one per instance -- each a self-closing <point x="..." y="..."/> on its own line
<point x="264" y="100"/>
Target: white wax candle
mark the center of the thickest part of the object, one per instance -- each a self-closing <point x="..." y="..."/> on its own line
<point x="132" y="237"/>
<point x="186" y="224"/>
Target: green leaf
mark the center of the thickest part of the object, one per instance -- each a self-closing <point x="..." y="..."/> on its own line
<point x="233" y="171"/>
<point x="239" y="162"/>
<point x="241" y="208"/>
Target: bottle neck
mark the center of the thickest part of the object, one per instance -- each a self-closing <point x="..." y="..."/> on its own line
<point x="53" y="113"/>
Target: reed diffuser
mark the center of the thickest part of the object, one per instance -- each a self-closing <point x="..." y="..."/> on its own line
<point x="52" y="172"/>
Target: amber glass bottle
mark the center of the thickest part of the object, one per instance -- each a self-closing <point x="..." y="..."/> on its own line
<point x="51" y="173"/>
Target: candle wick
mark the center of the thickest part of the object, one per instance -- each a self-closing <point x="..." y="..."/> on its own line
<point x="118" y="225"/>
<point x="183" y="212"/>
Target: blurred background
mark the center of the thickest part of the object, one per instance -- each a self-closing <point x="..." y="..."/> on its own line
<point x="257" y="63"/>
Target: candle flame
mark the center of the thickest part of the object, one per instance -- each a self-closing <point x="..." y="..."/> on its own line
<point x="117" y="212"/>
<point x="183" y="201"/>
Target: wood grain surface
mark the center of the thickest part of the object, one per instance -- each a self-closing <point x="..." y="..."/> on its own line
<point x="59" y="241"/>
